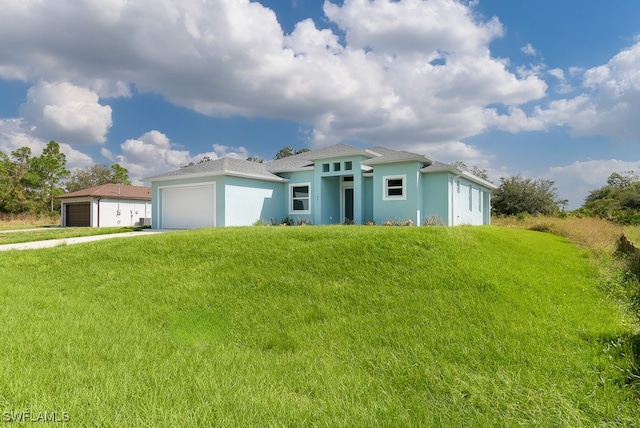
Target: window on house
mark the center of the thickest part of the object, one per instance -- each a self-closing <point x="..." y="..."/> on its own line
<point x="348" y="166"/>
<point x="480" y="194"/>
<point x="325" y="167"/>
<point x="347" y="178"/>
<point x="300" y="198"/>
<point x="394" y="187"/>
<point x="336" y="166"/>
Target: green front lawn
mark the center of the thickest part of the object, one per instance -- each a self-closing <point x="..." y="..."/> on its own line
<point x="315" y="326"/>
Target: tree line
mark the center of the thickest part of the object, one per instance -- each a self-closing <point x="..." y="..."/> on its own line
<point x="617" y="201"/>
<point x="30" y="184"/>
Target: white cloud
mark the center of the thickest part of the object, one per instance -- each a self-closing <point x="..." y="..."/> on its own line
<point x="65" y="112"/>
<point x="407" y="71"/>
<point x="575" y="181"/>
<point x="529" y="50"/>
<point x="13" y="136"/>
<point x="609" y="105"/>
<point x="154" y="153"/>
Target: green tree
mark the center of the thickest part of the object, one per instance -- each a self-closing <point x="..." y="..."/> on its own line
<point x="517" y="195"/>
<point x="287" y="151"/>
<point x="201" y="161"/>
<point x="19" y="182"/>
<point x="480" y="173"/>
<point x="119" y="174"/>
<point x="48" y="172"/>
<point x="96" y="175"/>
<point x="5" y="180"/>
<point x="618" y="200"/>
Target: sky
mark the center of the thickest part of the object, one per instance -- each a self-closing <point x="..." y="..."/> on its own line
<point x="547" y="89"/>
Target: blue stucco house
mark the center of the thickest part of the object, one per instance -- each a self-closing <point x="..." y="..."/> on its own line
<point x="332" y="185"/>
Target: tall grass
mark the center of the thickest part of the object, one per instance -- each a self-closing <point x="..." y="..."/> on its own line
<point x="590" y="233"/>
<point x="315" y="326"/>
<point x="14" y="221"/>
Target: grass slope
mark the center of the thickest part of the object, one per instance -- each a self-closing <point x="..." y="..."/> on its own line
<point x="330" y="326"/>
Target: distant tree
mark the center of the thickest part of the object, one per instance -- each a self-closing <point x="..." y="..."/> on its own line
<point x="20" y="182"/>
<point x="203" y="160"/>
<point x="96" y="175"/>
<point x="480" y="173"/>
<point x="5" y="180"/>
<point x="516" y="195"/>
<point x="287" y="151"/>
<point x="618" y="200"/>
<point x="48" y="172"/>
<point x="119" y="174"/>
<point x="255" y="159"/>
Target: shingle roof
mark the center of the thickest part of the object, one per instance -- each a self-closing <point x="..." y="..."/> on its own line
<point x="449" y="167"/>
<point x="302" y="161"/>
<point x="119" y="191"/>
<point x="221" y="166"/>
<point x="305" y="160"/>
<point x="389" y="156"/>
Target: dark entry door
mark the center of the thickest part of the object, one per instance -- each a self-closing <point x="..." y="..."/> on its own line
<point x="348" y="204"/>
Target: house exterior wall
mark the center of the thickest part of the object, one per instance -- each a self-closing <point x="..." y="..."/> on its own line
<point x="469" y="202"/>
<point x="329" y="176"/>
<point x="302" y="178"/>
<point x="114" y="212"/>
<point x="109" y="212"/>
<point x="436" y="195"/>
<point x="367" y="195"/>
<point x="330" y="208"/>
<point x="399" y="209"/>
<point x="248" y="200"/>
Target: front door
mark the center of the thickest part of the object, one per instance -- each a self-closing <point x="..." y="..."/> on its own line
<point x="347" y="204"/>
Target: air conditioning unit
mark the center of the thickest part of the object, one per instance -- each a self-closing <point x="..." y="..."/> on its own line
<point x="145" y="221"/>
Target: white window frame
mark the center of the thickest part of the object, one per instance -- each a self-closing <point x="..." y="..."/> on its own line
<point x="385" y="188"/>
<point x="291" y="198"/>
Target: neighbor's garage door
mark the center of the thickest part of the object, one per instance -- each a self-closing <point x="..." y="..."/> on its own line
<point x="78" y="215"/>
<point x="188" y="207"/>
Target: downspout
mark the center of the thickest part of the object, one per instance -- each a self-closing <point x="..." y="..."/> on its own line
<point x="99" y="212"/>
<point x="453" y="216"/>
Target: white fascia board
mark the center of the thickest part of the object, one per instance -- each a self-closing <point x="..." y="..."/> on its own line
<point x="214" y="174"/>
<point x="380" y="161"/>
<point x="346" y="153"/>
<point x="459" y="172"/>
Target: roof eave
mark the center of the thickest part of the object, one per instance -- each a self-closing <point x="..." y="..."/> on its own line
<point x="459" y="172"/>
<point x="381" y="161"/>
<point x="211" y="174"/>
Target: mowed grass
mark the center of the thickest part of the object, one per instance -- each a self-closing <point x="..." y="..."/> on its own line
<point x="315" y="326"/>
<point x="44" y="234"/>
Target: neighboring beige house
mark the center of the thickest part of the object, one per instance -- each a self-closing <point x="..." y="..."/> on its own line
<point x="107" y="205"/>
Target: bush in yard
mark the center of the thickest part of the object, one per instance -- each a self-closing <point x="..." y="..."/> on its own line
<point x="517" y="195"/>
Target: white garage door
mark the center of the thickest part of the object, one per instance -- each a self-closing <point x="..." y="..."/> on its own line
<point x="188" y="207"/>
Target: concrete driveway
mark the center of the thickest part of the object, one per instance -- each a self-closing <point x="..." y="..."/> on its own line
<point x="70" y="241"/>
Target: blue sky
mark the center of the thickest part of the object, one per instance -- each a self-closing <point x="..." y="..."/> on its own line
<point x="548" y="89"/>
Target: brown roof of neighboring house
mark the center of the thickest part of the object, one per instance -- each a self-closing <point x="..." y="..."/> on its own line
<point x="113" y="191"/>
